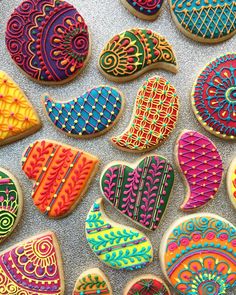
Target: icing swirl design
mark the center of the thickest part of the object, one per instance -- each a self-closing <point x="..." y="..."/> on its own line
<point x="48" y="40"/>
<point x="231" y="182"/>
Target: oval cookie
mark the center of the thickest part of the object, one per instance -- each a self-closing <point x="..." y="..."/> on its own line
<point x="141" y="191"/>
<point x="116" y="245"/>
<point x="207" y="21"/>
<point x="48" y="40"/>
<point x="197" y="254"/>
<point x="89" y="115"/>
<point x="130" y="54"/>
<point x="231" y="182"/>
<point x="214" y="97"/>
<point x="154" y="117"/>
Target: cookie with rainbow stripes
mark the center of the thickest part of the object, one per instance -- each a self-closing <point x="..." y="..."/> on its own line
<point x="231" y="182"/>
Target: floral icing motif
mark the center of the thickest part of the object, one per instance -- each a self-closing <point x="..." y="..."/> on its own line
<point x="141" y="193"/>
<point x="32" y="267"/>
<point x="134" y="52"/>
<point x="17" y="116"/>
<point x="211" y="20"/>
<point x="214" y="97"/>
<point x="198" y="255"/>
<point x="88" y="115"/>
<point x="155" y="116"/>
<point x="117" y="246"/>
<point x="202" y="167"/>
<point x="48" y="40"/>
<point x="60" y="173"/>
<point x="231" y="182"/>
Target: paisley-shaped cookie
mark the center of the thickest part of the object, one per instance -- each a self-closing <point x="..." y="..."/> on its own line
<point x="130" y="54"/>
<point x="18" y="118"/>
<point x="197" y="255"/>
<point x="207" y="21"/>
<point x="48" y="40"/>
<point x="33" y="266"/>
<point x="116" y="245"/>
<point x="140" y="191"/>
<point x="61" y="175"/>
<point x="214" y="97"/>
<point x="201" y="165"/>
<point x="231" y="182"/>
<point x="92" y="281"/>
<point x="91" y="114"/>
<point x="154" y="117"/>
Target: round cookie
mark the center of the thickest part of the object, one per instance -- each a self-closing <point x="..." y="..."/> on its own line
<point x="231" y="182"/>
<point x="208" y="21"/>
<point x="214" y="97"/>
<point x="48" y="40"/>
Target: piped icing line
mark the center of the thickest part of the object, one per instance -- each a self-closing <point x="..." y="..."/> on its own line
<point x="201" y="165"/>
<point x="116" y="245"/>
<point x="231" y="182"/>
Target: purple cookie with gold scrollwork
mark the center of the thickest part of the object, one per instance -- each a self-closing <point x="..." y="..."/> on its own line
<point x="48" y="40"/>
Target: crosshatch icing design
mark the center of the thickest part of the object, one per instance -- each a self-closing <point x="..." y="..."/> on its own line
<point x="147" y="8"/>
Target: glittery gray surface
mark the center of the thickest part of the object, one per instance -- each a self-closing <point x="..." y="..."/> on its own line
<point x="105" y="19"/>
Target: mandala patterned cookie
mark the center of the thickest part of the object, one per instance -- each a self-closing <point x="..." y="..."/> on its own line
<point x="208" y="21"/>
<point x="130" y="54"/>
<point x="31" y="267"/>
<point x="92" y="281"/>
<point x="214" y="97"/>
<point x="61" y="175"/>
<point x="18" y="118"/>
<point x="91" y="114"/>
<point x="231" y="182"/>
<point x="140" y="191"/>
<point x="116" y="245"/>
<point x="201" y="165"/>
<point x="154" y="117"/>
<point x="197" y="255"/>
<point x="48" y="40"/>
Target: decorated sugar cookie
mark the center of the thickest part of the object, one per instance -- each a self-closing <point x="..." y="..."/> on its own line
<point x="18" y="118"/>
<point x="33" y="266"/>
<point x="91" y="114"/>
<point x="197" y="254"/>
<point x="92" y="281"/>
<point x="154" y="117"/>
<point x="140" y="191"/>
<point x="130" y="54"/>
<point x="214" y="97"/>
<point x="61" y="175"/>
<point x="231" y="182"/>
<point x="116" y="245"/>
<point x="208" y="21"/>
<point x="201" y="165"/>
<point x="48" y="40"/>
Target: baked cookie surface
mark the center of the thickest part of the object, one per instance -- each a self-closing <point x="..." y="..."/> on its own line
<point x="231" y="182"/>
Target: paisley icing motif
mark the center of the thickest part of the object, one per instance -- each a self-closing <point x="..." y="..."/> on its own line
<point x="214" y="97"/>
<point x="140" y="192"/>
<point x="202" y="168"/>
<point x="61" y="175"/>
<point x="117" y="246"/>
<point x="31" y="267"/>
<point x="134" y="52"/>
<point x="231" y="182"/>
<point x="198" y="255"/>
<point x="205" y="20"/>
<point x="154" y="117"/>
<point x="91" y="114"/>
<point x="48" y="40"/>
<point x="17" y="116"/>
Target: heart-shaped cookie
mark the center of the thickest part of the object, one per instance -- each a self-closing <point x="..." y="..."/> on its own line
<point x="140" y="191"/>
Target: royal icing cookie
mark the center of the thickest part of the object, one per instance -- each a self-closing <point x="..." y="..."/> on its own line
<point x="205" y="20"/>
<point x="130" y="54"/>
<point x="201" y="166"/>
<point x="92" y="281"/>
<point x="48" y="40"/>
<point x="116" y="245"/>
<point x="18" y="118"/>
<point x="214" y="97"/>
<point x="231" y="182"/>
<point x="61" y="175"/>
<point x="197" y="255"/>
<point x="140" y="191"/>
<point x="154" y="117"/>
<point x="91" y="114"/>
<point x="33" y="266"/>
